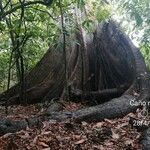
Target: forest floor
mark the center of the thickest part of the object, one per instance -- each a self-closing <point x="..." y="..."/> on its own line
<point x="116" y="134"/>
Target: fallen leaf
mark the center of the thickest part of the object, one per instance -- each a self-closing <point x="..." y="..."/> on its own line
<point x="109" y="121"/>
<point x="46" y="133"/>
<point x="84" y="123"/>
<point x="80" y="142"/>
<point x="99" y="124"/>
<point x="46" y="148"/>
<point x="77" y="136"/>
<point x="122" y="125"/>
<point x="129" y="142"/>
<point x="43" y="144"/>
<point x="115" y="135"/>
<point x="35" y="140"/>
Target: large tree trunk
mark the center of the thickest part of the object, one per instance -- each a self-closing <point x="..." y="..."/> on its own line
<point x="102" y="66"/>
<point x="100" y="61"/>
<point x="46" y="77"/>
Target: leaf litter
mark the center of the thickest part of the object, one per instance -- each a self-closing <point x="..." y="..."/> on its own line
<point x="106" y="135"/>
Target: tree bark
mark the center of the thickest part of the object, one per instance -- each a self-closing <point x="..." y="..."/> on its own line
<point x="113" y="69"/>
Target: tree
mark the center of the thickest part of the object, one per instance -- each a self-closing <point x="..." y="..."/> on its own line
<point x="103" y="66"/>
<point x="15" y="24"/>
<point x="128" y="75"/>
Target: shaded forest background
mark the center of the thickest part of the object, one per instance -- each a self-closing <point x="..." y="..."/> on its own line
<point x="26" y="33"/>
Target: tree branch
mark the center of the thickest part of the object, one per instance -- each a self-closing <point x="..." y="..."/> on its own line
<point x="4" y="14"/>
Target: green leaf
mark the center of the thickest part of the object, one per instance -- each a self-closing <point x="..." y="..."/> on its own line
<point x="80" y="4"/>
<point x="2" y="26"/>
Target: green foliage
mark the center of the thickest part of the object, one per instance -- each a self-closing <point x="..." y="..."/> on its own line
<point x="140" y="12"/>
<point x="41" y="27"/>
<point x="88" y="25"/>
<point x="145" y="49"/>
<point x="95" y="11"/>
<point x="4" y="61"/>
<point x="102" y="13"/>
<point x="134" y="16"/>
